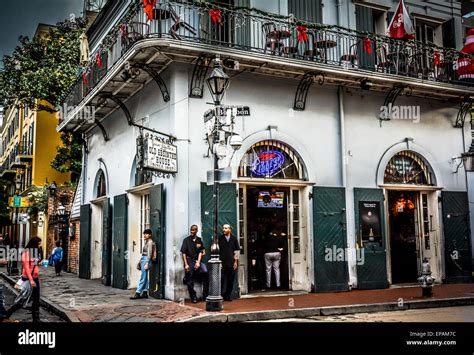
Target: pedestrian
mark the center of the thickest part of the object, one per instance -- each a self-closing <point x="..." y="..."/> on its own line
<point x="30" y="260"/>
<point x="229" y="251"/>
<point x="144" y="265"/>
<point x="273" y="248"/>
<point x="193" y="251"/>
<point x="57" y="258"/>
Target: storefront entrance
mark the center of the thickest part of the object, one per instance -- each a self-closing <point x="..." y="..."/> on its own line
<point x="403" y="224"/>
<point x="267" y="207"/>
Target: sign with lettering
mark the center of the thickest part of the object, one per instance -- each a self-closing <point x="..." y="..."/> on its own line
<point x="370" y="221"/>
<point x="18" y="201"/>
<point x="160" y="156"/>
<point x="241" y="110"/>
<point x="268" y="163"/>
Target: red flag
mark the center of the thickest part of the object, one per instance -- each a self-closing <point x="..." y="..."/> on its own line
<point x="84" y="77"/>
<point x="215" y="16"/>
<point x="436" y="58"/>
<point x="148" y="6"/>
<point x="99" y="61"/>
<point x="367" y="46"/>
<point x="401" y="26"/>
<point x="302" y="33"/>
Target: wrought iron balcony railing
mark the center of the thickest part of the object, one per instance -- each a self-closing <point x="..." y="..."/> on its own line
<point x="275" y="36"/>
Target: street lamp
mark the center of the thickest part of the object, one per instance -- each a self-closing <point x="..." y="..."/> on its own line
<point x="218" y="82"/>
<point x="468" y="161"/>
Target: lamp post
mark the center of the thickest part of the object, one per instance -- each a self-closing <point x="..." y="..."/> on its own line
<point x="218" y="82"/>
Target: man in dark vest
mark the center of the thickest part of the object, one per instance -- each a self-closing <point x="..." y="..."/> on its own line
<point x="193" y="252"/>
<point x="229" y="251"/>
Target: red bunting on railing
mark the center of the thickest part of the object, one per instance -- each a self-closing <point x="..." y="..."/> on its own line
<point x="367" y="46"/>
<point x="302" y="33"/>
<point x="436" y="58"/>
<point x="98" y="60"/>
<point x="215" y="16"/>
<point x="84" y="77"/>
<point x="148" y="6"/>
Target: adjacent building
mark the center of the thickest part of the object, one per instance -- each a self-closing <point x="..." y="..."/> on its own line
<point x="351" y="141"/>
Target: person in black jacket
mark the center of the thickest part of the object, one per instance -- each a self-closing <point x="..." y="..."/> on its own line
<point x="229" y="251"/>
<point x="193" y="251"/>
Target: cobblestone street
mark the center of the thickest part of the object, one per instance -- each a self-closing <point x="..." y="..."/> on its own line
<point x="90" y="301"/>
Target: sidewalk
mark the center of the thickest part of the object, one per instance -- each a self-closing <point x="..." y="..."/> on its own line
<point x="291" y="305"/>
<point x="81" y="300"/>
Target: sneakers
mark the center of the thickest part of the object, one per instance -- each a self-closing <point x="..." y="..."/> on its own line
<point x="144" y="294"/>
<point x="136" y="296"/>
<point x="194" y="300"/>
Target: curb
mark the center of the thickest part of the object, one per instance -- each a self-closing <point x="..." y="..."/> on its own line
<point x="45" y="303"/>
<point x="331" y="310"/>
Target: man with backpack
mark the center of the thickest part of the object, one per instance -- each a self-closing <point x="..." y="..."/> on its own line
<point x="148" y="256"/>
<point x="57" y="258"/>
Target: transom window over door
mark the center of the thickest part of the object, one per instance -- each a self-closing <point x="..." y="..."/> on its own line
<point x="271" y="159"/>
<point x="408" y="167"/>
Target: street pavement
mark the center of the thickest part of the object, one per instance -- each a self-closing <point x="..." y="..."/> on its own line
<point x="91" y="301"/>
<point x="431" y="315"/>
<point x="24" y="315"/>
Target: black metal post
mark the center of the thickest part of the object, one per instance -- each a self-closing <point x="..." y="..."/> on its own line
<point x="214" y="302"/>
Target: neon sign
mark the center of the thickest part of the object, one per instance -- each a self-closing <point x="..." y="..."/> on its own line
<point x="268" y="163"/>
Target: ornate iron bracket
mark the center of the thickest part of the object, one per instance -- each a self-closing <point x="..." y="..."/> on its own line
<point x="119" y="102"/>
<point x="199" y="75"/>
<point x="303" y="88"/>
<point x="102" y="129"/>
<point x="158" y="79"/>
<point x="391" y="97"/>
<point x="464" y="109"/>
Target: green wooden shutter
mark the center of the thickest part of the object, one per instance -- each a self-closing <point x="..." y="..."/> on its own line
<point x="308" y="10"/>
<point x="457" y="250"/>
<point x="85" y="243"/>
<point x="227" y="215"/>
<point x="365" y="23"/>
<point x="330" y="240"/>
<point x="157" y="226"/>
<point x="372" y="273"/>
<point x="449" y="34"/>
<point x="106" y="244"/>
<point x="120" y="243"/>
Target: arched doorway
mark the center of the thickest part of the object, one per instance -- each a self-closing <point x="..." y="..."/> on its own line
<point x="410" y="185"/>
<point x="272" y="180"/>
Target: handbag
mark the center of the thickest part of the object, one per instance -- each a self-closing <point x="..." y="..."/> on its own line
<point x="139" y="266"/>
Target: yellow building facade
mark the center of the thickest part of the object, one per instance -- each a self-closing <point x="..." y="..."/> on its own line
<point x="28" y="142"/>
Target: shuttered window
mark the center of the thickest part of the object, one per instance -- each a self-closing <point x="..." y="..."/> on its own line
<point x="308" y="10"/>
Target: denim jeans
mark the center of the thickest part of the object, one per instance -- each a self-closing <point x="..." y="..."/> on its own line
<point x="143" y="283"/>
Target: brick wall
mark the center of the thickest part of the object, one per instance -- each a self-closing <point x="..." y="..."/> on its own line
<point x="73" y="252"/>
<point x="64" y="196"/>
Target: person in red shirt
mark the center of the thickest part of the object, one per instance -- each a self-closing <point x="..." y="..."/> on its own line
<point x="30" y="259"/>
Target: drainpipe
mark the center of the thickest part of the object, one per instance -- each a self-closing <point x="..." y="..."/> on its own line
<point x="84" y="169"/>
<point x="340" y="99"/>
<point x="339" y="12"/>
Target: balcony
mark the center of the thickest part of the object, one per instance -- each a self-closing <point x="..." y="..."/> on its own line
<point x="25" y="152"/>
<point x="6" y="172"/>
<point x="268" y="45"/>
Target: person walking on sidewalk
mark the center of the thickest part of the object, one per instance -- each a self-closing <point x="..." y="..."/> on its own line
<point x="144" y="265"/>
<point x="229" y="251"/>
<point x="193" y="251"/>
<point x="273" y="247"/>
<point x="30" y="260"/>
<point x="57" y="258"/>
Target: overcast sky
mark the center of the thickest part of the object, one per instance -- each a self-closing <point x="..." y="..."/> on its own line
<point x="22" y="18"/>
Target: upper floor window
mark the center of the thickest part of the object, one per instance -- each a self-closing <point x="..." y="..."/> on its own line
<point x="370" y="19"/>
<point x="308" y="10"/>
<point x="101" y="188"/>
